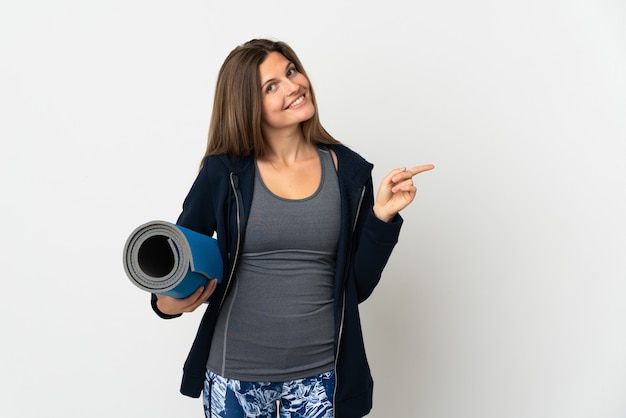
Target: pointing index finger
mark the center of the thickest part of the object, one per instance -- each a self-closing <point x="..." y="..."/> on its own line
<point x="421" y="168"/>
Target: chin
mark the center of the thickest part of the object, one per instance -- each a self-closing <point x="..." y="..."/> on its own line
<point x="309" y="114"/>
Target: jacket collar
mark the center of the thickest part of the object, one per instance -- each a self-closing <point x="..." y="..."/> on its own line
<point x="351" y="165"/>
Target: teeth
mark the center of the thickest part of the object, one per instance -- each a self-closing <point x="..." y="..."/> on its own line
<point x="298" y="101"/>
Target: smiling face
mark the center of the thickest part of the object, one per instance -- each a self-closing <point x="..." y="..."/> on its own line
<point x="285" y="94"/>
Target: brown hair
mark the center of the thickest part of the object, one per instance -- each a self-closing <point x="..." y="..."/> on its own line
<point x="235" y="126"/>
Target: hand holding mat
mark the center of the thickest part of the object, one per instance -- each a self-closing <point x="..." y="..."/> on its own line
<point x="165" y="258"/>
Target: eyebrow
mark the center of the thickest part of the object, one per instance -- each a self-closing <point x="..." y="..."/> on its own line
<point x="289" y="64"/>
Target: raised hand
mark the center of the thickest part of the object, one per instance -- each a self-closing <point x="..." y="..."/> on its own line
<point x="397" y="191"/>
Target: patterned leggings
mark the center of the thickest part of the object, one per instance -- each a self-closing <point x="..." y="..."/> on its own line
<point x="311" y="397"/>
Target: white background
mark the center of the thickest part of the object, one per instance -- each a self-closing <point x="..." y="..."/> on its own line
<point x="506" y="295"/>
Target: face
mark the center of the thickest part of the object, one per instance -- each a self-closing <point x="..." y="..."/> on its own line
<point x="285" y="93"/>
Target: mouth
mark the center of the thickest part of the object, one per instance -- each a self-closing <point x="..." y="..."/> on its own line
<point x="296" y="102"/>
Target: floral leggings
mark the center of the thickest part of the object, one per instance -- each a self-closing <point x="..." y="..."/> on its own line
<point x="311" y="397"/>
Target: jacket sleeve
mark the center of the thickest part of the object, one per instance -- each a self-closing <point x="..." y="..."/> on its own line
<point x="375" y="240"/>
<point x="198" y="212"/>
<point x="197" y="215"/>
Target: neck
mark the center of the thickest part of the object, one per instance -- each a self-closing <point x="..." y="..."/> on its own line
<point x="287" y="148"/>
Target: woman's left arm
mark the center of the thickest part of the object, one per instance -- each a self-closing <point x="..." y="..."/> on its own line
<point x="381" y="228"/>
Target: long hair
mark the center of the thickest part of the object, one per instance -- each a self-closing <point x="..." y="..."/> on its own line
<point x="235" y="126"/>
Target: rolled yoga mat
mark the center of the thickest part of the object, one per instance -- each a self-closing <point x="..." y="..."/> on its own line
<point x="165" y="258"/>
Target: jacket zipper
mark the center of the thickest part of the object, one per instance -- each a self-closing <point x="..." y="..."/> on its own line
<point x="232" y="270"/>
<point x="358" y="208"/>
<point x="343" y="304"/>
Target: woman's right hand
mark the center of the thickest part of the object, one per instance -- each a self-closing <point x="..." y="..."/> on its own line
<point x="174" y="306"/>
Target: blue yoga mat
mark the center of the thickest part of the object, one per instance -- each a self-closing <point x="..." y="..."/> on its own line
<point x="165" y="258"/>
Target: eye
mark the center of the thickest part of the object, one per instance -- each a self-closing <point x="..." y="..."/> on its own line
<point x="270" y="88"/>
<point x="291" y="71"/>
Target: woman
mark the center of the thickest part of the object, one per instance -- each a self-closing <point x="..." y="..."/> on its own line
<point x="303" y="242"/>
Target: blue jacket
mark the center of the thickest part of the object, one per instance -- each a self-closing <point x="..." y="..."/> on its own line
<point x="219" y="201"/>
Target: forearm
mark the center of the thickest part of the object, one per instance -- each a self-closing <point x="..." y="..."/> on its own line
<point x="375" y="245"/>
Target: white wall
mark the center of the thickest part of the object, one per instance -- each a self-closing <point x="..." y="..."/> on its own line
<point x="506" y="296"/>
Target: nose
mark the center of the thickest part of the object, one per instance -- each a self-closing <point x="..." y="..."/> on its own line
<point x="291" y="87"/>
